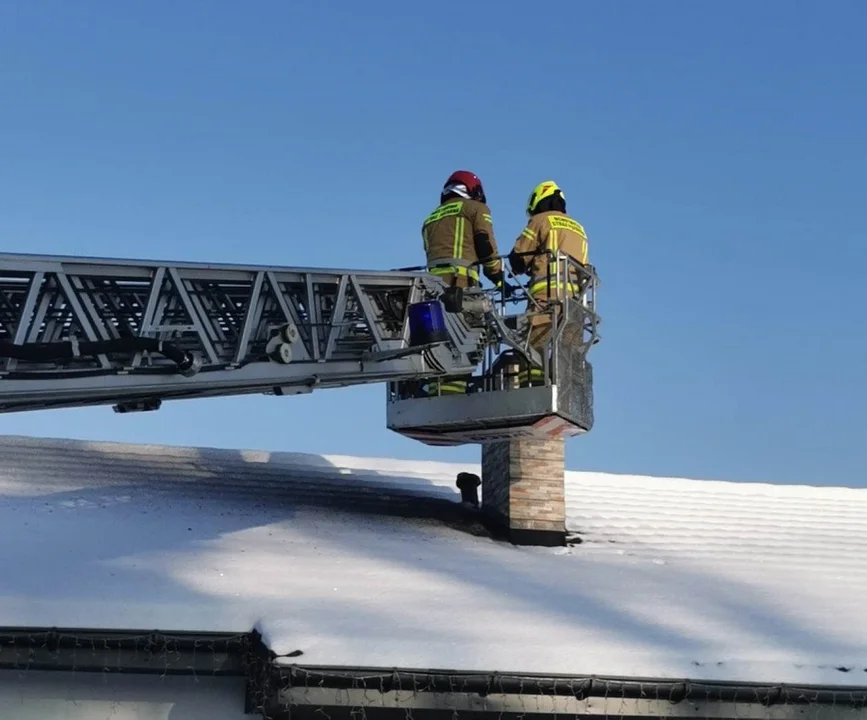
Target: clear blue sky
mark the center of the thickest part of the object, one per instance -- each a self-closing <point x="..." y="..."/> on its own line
<point x="715" y="152"/>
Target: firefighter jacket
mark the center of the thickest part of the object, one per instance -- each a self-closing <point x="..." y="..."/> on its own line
<point x="456" y="235"/>
<point x="552" y="231"/>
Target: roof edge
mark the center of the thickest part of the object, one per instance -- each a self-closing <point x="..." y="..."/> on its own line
<point x="276" y="688"/>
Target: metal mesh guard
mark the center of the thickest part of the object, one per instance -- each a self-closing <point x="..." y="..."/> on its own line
<point x="574" y="371"/>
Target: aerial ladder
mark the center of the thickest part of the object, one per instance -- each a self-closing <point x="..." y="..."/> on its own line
<point x="78" y="332"/>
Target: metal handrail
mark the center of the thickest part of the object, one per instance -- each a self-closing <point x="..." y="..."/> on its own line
<point x="567" y="270"/>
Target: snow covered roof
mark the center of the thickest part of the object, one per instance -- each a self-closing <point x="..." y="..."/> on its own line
<point x="350" y="562"/>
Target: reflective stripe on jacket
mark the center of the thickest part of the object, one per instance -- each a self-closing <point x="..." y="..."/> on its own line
<point x="550" y="231"/>
<point x="449" y="238"/>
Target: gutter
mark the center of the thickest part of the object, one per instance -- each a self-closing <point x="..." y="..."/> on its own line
<point x="484" y="684"/>
<point x="276" y="691"/>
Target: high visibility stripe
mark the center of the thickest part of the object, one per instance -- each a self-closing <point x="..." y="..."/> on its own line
<point x="543" y="285"/>
<point x="583" y="258"/>
<point x="453" y="270"/>
<point x="566" y="223"/>
<point x="442" y="266"/>
<point x="529" y="233"/>
<point x="487" y="218"/>
<point x="553" y="245"/>
<point x="458" y="251"/>
<point x="447" y="210"/>
<point x="535" y="376"/>
<point x="447" y="387"/>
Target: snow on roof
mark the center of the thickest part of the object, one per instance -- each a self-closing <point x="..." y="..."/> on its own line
<point x="345" y="560"/>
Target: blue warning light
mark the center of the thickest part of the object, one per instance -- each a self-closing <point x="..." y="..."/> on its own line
<point x="427" y="323"/>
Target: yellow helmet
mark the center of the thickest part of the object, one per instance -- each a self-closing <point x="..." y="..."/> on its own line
<point x="540" y="192"/>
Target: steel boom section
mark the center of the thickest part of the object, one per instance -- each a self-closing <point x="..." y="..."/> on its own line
<point x="82" y="331"/>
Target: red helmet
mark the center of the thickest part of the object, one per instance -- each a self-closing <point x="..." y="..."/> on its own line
<point x="466" y="184"/>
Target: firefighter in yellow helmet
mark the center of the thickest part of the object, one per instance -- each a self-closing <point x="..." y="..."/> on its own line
<point x="549" y="228"/>
<point x="458" y="234"/>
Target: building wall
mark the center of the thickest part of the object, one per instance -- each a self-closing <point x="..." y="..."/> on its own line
<point x="35" y="695"/>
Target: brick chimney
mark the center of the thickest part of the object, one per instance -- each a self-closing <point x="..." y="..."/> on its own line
<point x="523" y="490"/>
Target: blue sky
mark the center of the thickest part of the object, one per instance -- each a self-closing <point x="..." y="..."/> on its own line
<point x="715" y="152"/>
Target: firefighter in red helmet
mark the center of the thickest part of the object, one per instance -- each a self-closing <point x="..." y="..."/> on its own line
<point x="459" y="233"/>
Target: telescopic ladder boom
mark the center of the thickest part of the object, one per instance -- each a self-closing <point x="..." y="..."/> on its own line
<point x="82" y="331"/>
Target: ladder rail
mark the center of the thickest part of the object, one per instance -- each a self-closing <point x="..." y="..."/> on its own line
<point x="142" y="267"/>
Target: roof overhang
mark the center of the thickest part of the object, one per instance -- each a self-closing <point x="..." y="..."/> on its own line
<point x="276" y="686"/>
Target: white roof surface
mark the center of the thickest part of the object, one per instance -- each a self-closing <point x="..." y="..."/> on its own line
<point x="675" y="578"/>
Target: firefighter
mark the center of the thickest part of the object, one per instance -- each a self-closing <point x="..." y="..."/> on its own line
<point x="456" y="235"/>
<point x="459" y="233"/>
<point x="548" y="228"/>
